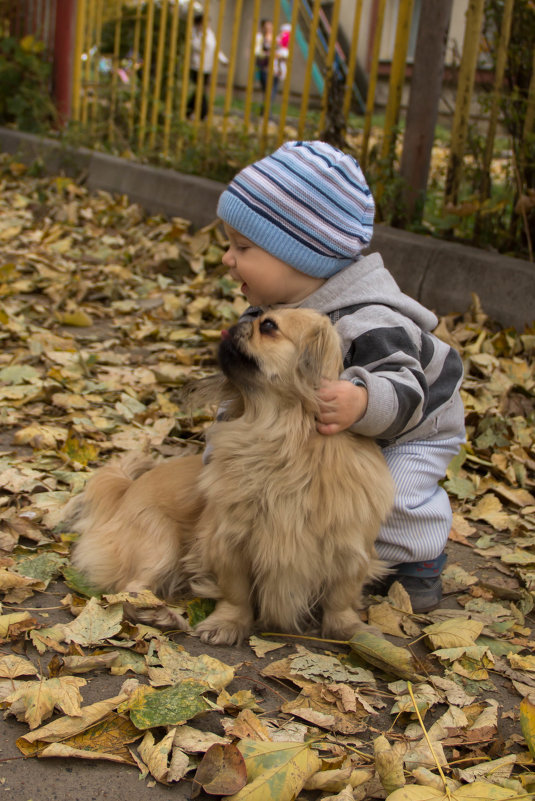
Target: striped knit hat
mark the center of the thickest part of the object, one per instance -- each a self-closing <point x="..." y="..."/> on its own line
<point x="307" y="204"/>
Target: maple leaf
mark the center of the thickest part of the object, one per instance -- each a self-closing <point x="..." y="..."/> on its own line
<point x="37" y="700"/>
<point x="12" y="666"/>
<point x="94" y="623"/>
<point x="178" y="664"/>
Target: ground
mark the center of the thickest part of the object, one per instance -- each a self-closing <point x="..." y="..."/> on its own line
<point x="104" y="314"/>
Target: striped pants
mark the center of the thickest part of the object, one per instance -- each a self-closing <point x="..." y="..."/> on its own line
<point x="418" y="527"/>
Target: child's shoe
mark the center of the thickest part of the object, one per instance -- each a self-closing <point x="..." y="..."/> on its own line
<point x="421" y="580"/>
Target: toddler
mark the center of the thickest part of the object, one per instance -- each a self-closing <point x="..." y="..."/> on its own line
<point x="297" y="223"/>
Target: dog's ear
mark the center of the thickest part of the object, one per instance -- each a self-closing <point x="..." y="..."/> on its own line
<point x="322" y="355"/>
<point x="214" y="390"/>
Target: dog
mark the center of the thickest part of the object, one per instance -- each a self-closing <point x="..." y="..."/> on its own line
<point x="278" y="522"/>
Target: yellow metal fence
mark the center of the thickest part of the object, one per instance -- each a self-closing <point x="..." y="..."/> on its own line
<point x="137" y="87"/>
<point x="158" y="71"/>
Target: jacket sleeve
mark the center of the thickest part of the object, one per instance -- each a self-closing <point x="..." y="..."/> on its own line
<point x="385" y="357"/>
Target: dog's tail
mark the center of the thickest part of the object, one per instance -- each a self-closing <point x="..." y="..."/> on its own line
<point x="103" y="491"/>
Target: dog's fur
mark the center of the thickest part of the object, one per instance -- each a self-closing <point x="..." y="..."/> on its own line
<point x="279" y="520"/>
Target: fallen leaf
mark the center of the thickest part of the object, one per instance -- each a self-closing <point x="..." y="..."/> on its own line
<point x="275" y="771"/>
<point x="94" y="623"/>
<point x="38" y="699"/>
<point x="453" y="633"/>
<point x="149" y="707"/>
<point x="527" y="722"/>
<point x="67" y="727"/>
<point x="156" y="754"/>
<point x="178" y="664"/>
<point x="221" y="771"/>
<point x="384" y="655"/>
<point x="478" y="791"/>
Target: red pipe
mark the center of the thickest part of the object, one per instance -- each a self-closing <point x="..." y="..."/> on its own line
<point x="64" y="43"/>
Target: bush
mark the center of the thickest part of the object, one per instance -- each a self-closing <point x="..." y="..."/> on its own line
<point x="25" y="99"/>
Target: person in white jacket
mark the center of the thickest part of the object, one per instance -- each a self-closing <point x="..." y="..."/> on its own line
<point x="202" y="62"/>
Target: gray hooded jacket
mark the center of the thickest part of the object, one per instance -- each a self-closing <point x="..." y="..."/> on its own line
<point x="412" y="377"/>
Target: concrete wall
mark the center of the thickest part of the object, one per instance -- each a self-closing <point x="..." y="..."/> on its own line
<point x="441" y="275"/>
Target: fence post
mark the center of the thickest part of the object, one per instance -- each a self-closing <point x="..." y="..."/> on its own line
<point x="64" y="46"/>
<point x="465" y="85"/>
<point x="422" y="111"/>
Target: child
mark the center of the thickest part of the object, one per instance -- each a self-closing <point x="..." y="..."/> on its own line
<point x="297" y="223"/>
<point x="203" y="51"/>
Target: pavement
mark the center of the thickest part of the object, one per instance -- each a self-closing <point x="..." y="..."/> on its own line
<point x="86" y="780"/>
<point x="441" y="275"/>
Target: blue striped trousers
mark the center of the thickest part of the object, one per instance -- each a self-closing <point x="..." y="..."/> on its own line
<point x="418" y="527"/>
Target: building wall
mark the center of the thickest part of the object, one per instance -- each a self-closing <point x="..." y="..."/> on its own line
<point x="347" y="12"/>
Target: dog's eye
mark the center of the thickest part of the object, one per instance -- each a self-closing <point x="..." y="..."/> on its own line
<point x="268" y="326"/>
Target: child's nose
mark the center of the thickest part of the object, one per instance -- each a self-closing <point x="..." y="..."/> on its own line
<point x="228" y="259"/>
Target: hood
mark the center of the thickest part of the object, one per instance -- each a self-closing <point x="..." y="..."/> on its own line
<point x="368" y="281"/>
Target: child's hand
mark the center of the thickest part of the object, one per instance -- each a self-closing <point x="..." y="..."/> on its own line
<point x="341" y="404"/>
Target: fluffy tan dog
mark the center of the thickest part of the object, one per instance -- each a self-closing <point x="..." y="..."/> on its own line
<point x="279" y="521"/>
<point x="137" y="519"/>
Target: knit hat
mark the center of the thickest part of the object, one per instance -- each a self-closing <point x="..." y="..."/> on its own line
<point x="307" y="204"/>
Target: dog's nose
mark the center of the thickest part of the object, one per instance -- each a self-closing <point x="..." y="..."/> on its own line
<point x="225" y="334"/>
<point x="252" y="313"/>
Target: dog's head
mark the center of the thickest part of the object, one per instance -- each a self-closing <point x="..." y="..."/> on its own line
<point x="287" y="351"/>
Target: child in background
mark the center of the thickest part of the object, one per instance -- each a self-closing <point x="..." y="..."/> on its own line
<point x="263" y="45"/>
<point x="203" y="53"/>
<point x="297" y="223"/>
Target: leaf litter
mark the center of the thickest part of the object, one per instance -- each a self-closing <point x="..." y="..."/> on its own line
<point x="105" y="312"/>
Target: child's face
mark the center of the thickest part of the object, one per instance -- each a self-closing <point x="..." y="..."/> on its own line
<point x="265" y="280"/>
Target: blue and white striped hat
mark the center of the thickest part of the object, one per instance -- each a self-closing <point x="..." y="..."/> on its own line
<point x="307" y="204"/>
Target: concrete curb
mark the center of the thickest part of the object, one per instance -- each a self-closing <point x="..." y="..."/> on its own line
<point x="441" y="275"/>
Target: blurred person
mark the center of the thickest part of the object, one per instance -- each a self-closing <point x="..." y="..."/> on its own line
<point x="202" y="58"/>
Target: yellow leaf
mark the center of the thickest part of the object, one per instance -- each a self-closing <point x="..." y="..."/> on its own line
<point x="381" y="653"/>
<point x="178" y="665"/>
<point x="388" y="763"/>
<point x="37" y="699"/>
<point x="491" y="511"/>
<point x="7" y="620"/>
<point x="334" y="781"/>
<point x="94" y="623"/>
<point x="78" y="319"/>
<point x="276" y="771"/>
<point x="527" y="723"/>
<point x="156" y="754"/>
<point x="69" y="727"/>
<point x="385" y="617"/>
<point x="39" y="436"/>
<point x="80" y="451"/>
<point x="12" y="666"/>
<point x="261" y="646"/>
<point x="477" y="791"/>
<point x="522" y="662"/>
<point x="454" y="633"/>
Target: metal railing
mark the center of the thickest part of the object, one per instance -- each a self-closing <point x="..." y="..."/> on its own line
<point x="132" y="77"/>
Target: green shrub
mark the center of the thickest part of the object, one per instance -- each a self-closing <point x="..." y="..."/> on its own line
<point x="25" y="99"/>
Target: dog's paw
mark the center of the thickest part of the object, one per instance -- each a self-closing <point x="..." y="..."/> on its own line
<point x="343" y="625"/>
<point x="163" y="617"/>
<point x="220" y="629"/>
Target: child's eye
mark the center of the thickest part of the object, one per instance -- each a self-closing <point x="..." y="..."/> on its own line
<point x="241" y="248"/>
